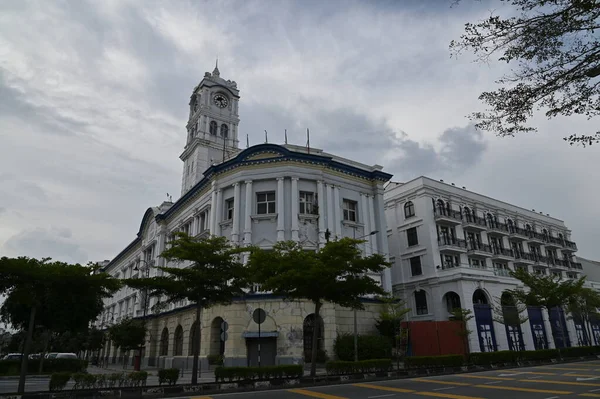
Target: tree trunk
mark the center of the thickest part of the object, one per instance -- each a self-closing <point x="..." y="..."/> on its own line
<point x="315" y="342"/>
<point x="196" y="367"/>
<point x="46" y="343"/>
<point x="27" y="346"/>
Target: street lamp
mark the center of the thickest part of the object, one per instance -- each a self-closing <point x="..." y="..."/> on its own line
<point x="355" y="312"/>
<point x="145" y="306"/>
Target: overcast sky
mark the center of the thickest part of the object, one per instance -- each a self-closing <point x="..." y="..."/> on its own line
<point x="94" y="100"/>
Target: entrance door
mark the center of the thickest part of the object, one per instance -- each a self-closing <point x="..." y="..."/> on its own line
<point x="536" y="321"/>
<point x="268" y="351"/>
<point x="485" y="328"/>
<point x="559" y="328"/>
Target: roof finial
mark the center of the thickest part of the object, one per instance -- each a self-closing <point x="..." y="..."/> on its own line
<point x="216" y="71"/>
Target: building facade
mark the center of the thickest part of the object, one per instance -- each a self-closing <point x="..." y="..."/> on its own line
<point x="453" y="248"/>
<point x="256" y="196"/>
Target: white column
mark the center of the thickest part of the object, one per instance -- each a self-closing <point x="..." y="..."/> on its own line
<point x="321" y="205"/>
<point x="235" y="230"/>
<point x="213" y="205"/>
<point x="295" y="198"/>
<point x="365" y="219"/>
<point x="337" y="208"/>
<point x="330" y="201"/>
<point x="280" y="210"/>
<point x="248" y="214"/>
<point x="548" y="328"/>
<point x="219" y="212"/>
<point x="373" y="238"/>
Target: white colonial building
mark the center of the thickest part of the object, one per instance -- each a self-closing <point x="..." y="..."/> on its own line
<point x="453" y="248"/>
<point x="259" y="196"/>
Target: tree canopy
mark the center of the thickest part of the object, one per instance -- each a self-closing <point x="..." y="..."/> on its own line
<point x="210" y="273"/>
<point x="554" y="46"/>
<point x="128" y="334"/>
<point x="336" y="273"/>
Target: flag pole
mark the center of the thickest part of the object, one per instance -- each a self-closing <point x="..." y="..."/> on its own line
<point x="247" y="141"/>
<point x="308" y="140"/>
<point x="286" y="136"/>
<point x="266" y="137"/>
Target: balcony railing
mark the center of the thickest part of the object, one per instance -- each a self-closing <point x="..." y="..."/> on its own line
<point x="525" y="256"/>
<point x="477" y="246"/>
<point x="503" y="252"/>
<point x="556" y="241"/>
<point x="517" y="231"/>
<point x="452" y="242"/>
<point x="502" y="272"/>
<point x="443" y="213"/>
<point x="570" y="245"/>
<point x="499" y="227"/>
<point x="474" y="221"/>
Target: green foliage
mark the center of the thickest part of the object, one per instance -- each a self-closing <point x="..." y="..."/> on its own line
<point x="555" y="49"/>
<point x="390" y="318"/>
<point x="341" y="367"/>
<point x="58" y="381"/>
<point x="11" y="367"/>
<point x="138" y="378"/>
<point x="369" y="347"/>
<point x="546" y="291"/>
<point x="503" y="357"/>
<point x="584" y="305"/>
<point x="509" y="312"/>
<point x="128" y="334"/>
<point x="215" y="360"/>
<point x="412" y="362"/>
<point x="321" y="356"/>
<point x="336" y="273"/>
<point x="169" y="376"/>
<point x="230" y="374"/>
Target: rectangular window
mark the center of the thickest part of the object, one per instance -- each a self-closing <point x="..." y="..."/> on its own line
<point x="415" y="266"/>
<point x="412" y="236"/>
<point x="265" y="203"/>
<point x="421" y="302"/>
<point x="229" y="204"/>
<point x="202" y="222"/>
<point x="350" y="210"/>
<point x="307" y="203"/>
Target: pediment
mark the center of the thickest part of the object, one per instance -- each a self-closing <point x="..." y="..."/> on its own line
<point x="264" y="155"/>
<point x="265" y="243"/>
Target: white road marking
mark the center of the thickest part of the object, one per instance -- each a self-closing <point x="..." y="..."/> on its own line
<point x="595" y="390"/>
<point x="510" y="375"/>
<point x="381" y="396"/>
<point x="552" y="397"/>
<point x="441" y="389"/>
<point x="587" y="379"/>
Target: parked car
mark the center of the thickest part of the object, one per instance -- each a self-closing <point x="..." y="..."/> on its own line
<point x="13" y="356"/>
<point x="59" y="355"/>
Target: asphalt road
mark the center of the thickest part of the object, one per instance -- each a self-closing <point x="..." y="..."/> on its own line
<point x="544" y="382"/>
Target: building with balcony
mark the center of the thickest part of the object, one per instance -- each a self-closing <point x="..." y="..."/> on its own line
<point x="453" y="248"/>
<point x="257" y="196"/>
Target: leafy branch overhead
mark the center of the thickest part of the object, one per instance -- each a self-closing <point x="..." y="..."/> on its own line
<point x="554" y="46"/>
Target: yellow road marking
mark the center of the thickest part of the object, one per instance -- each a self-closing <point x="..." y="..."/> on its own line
<point x="446" y="395"/>
<point x="464" y="384"/>
<point x="592" y="395"/>
<point x="483" y="377"/>
<point x="201" y="397"/>
<point x="523" y="389"/>
<point x="583" y="384"/>
<point x="563" y="368"/>
<point x="582" y="375"/>
<point x="314" y="394"/>
<point x="384" y="388"/>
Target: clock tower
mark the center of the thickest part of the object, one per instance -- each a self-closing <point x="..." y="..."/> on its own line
<point x="212" y="128"/>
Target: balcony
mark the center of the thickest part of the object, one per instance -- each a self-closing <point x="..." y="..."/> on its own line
<point x="502" y="254"/>
<point x="471" y="222"/>
<point x="499" y="229"/>
<point x="479" y="250"/>
<point x="576" y="265"/>
<point x="502" y="272"/>
<point x="446" y="216"/>
<point x="452" y="245"/>
<point x="536" y="237"/>
<point x="517" y="233"/>
<point x="553" y="242"/>
<point x="450" y="268"/>
<point x="524" y="258"/>
<point x="569" y="246"/>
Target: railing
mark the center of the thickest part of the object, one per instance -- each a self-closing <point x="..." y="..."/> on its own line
<point x="502" y="272"/>
<point x="453" y="242"/>
<point x="477" y="246"/>
<point x="503" y="251"/>
<point x="554" y="240"/>
<point x="499" y="227"/>
<point x="525" y="256"/>
<point x="518" y="231"/>
<point x="576" y="265"/>
<point x="449" y="213"/>
<point x="450" y="265"/>
<point x="570" y="244"/>
<point x="476" y="220"/>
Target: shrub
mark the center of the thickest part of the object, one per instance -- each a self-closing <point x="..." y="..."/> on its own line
<point x="339" y="367"/>
<point x="580" y="351"/>
<point x="433" y="361"/>
<point x="215" y="360"/>
<point x="169" y="376"/>
<point x="58" y="381"/>
<point x="79" y="380"/>
<point x="542" y="354"/>
<point x="12" y="367"/>
<point x="488" y="358"/>
<point x="230" y="374"/>
<point x="369" y="347"/>
<point x="138" y="378"/>
<point x="115" y="380"/>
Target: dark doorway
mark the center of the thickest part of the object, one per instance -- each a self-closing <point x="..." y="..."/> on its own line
<point x="268" y="351"/>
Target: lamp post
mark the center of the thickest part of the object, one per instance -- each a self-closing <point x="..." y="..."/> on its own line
<point x="146" y="270"/>
<point x="355" y="312"/>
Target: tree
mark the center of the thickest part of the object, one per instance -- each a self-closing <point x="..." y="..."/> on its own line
<point x="509" y="312"/>
<point x="556" y="48"/>
<point x="215" y="276"/>
<point x="584" y="305"/>
<point x="463" y="315"/>
<point x="128" y="334"/>
<point x="389" y="323"/>
<point x="336" y="273"/>
<point x="60" y="296"/>
<point x="547" y="291"/>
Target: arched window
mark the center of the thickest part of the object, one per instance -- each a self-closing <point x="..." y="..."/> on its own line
<point x="421" y="302"/>
<point x="467" y="213"/>
<point x="193" y="339"/>
<point x="178" y="341"/>
<point x="164" y="342"/>
<point x="224" y="131"/>
<point x="480" y="298"/>
<point x="452" y="301"/>
<point x="409" y="209"/>
<point x="213" y="128"/>
<point x="441" y="207"/>
<point x="490" y="220"/>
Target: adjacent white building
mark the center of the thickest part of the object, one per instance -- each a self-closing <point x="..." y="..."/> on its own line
<point x="257" y="196"/>
<point x="453" y="248"/>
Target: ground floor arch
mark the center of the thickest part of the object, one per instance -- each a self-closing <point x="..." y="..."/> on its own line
<point x="308" y="327"/>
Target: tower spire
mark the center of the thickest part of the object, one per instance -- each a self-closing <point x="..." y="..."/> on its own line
<point x="216" y="70"/>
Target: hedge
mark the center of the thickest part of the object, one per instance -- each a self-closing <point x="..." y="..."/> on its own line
<point x="488" y="358"/>
<point x="230" y="374"/>
<point x="169" y="376"/>
<point x="88" y="381"/>
<point x="434" y="361"/>
<point x="12" y="367"/>
<point x="339" y="367"/>
<point x="369" y="347"/>
<point x="58" y="381"/>
<point x="215" y="360"/>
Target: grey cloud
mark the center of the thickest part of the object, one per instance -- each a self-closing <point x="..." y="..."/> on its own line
<point x="2" y="210"/>
<point x="55" y="242"/>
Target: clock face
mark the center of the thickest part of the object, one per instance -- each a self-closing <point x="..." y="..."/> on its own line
<point x="220" y="101"/>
